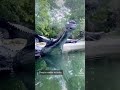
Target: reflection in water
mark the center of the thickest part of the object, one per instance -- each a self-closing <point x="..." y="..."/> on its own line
<point x="73" y="67"/>
<point x="103" y="73"/>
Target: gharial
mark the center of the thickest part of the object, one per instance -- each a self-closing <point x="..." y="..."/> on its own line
<point x="10" y="31"/>
<point x="14" y="38"/>
<point x="69" y="27"/>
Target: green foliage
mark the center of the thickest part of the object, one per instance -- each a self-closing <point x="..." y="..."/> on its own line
<point x="48" y="25"/>
<point x="17" y="10"/>
<point x="102" y="17"/>
<point x="42" y="17"/>
<point x="80" y="27"/>
<point x="77" y="8"/>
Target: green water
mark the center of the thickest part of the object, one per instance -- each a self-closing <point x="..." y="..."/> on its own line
<point x="73" y="66"/>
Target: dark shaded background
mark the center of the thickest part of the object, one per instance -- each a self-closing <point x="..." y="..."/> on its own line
<point x="19" y="12"/>
<point x="102" y="54"/>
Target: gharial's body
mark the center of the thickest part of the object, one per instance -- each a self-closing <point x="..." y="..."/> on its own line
<point x="14" y="39"/>
<point x="69" y="27"/>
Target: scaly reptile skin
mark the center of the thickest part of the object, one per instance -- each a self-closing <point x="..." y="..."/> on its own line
<point x="16" y="30"/>
<point x="69" y="27"/>
<point x="10" y="31"/>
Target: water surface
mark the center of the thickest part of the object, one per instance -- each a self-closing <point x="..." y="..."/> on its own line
<point x="103" y="73"/>
<point x="73" y="67"/>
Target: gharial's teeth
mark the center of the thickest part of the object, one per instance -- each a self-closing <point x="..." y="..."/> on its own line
<point x="20" y="29"/>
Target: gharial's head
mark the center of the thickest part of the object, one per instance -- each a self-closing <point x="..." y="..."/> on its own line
<point x="71" y="25"/>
